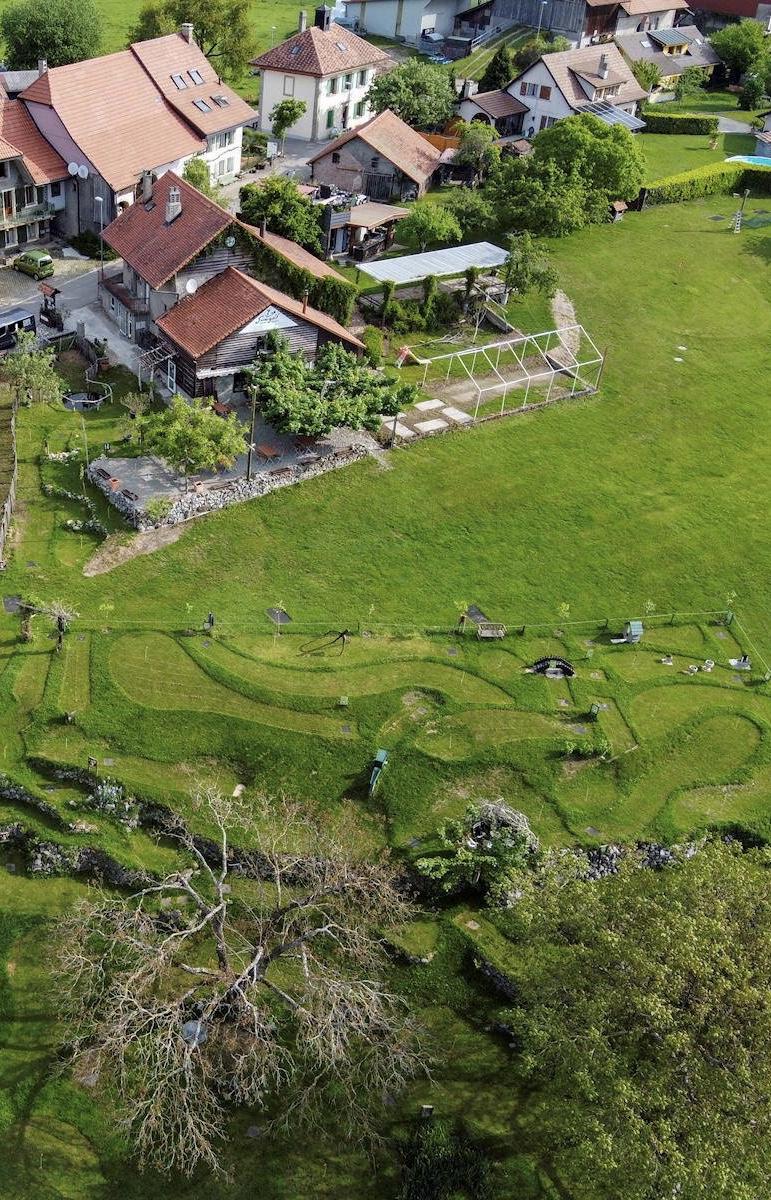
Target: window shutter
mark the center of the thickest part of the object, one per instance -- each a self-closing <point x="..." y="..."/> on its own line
<point x="523" y="89"/>
<point x="545" y="92"/>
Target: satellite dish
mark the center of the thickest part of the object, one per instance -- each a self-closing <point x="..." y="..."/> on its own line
<point x="191" y="287"/>
<point x="230" y="242"/>
<point x="72" y="168"/>
<point x="82" y="171"/>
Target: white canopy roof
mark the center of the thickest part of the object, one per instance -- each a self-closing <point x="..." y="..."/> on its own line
<point x="411" y="268"/>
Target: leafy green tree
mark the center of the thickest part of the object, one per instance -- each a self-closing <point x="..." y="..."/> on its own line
<point x="429" y="224"/>
<point x="643" y="1021"/>
<point x="31" y="372"/>
<point x="477" y="148"/>
<point x="528" y="267"/>
<point x="605" y="157"/>
<point x="647" y="74"/>
<point x="538" y="196"/>
<point x="472" y="211"/>
<point x="741" y="46"/>
<point x="60" y="31"/>
<point x="417" y="91"/>
<point x="279" y="202"/>
<point x="751" y="95"/>
<point x="190" y="437"/>
<point x="690" y="82"/>
<point x="499" y="71"/>
<point x="300" y="398"/>
<point x="284" y="115"/>
<point x="483" y="852"/>
<point x="223" y="28"/>
<point x="197" y="173"/>
<point x="536" y="47"/>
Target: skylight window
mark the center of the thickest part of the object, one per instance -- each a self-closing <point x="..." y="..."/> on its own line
<point x="221" y="101"/>
<point x="202" y="105"/>
<point x="179" y="82"/>
<point x="195" y="75"/>
<point x="342" y="46"/>
<point x="295" y="50"/>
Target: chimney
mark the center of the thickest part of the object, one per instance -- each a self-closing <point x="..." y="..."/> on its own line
<point x="305" y="301"/>
<point x="147" y="186"/>
<point x="466" y="89"/>
<point x="302" y="24"/>
<point x="603" y="67"/>
<point x="173" y="205"/>
<point x="186" y="31"/>
<point x="42" y="66"/>
<point x="263" y="227"/>
<point x="323" y="17"/>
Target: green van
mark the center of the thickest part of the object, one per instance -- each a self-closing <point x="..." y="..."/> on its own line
<point x="37" y="263"/>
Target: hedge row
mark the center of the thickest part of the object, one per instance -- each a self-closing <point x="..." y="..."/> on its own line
<point x="656" y="122"/>
<point x="714" y="179"/>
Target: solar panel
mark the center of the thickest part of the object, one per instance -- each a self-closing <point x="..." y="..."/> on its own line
<point x="668" y="37"/>
<point x="611" y="114"/>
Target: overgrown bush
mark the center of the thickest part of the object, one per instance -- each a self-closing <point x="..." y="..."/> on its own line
<point x="90" y="244"/>
<point x="666" y="122"/>
<point x="442" y="1163"/>
<point x="158" y="509"/>
<point x="373" y="345"/>
<point x="715" y="179"/>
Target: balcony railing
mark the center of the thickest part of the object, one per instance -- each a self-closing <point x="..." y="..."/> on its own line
<point x="23" y="216"/>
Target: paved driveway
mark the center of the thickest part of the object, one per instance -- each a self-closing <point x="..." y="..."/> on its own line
<point x="76" y="277"/>
<point x="293" y="162"/>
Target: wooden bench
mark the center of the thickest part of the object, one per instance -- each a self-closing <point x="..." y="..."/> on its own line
<point x="490" y="629"/>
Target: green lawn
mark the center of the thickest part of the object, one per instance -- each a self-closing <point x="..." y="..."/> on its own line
<point x="474" y="65"/>
<point x="668" y="154"/>
<point x="650" y="494"/>
<point x="721" y="104"/>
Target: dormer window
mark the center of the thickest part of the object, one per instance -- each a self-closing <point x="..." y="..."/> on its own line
<point x="195" y="75"/>
<point x="202" y="106"/>
<point x="179" y="82"/>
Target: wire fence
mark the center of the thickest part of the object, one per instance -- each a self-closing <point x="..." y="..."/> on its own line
<point x="9" y="502"/>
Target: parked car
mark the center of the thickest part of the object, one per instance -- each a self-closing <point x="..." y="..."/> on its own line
<point x="37" y="263"/>
<point x="11" y="322"/>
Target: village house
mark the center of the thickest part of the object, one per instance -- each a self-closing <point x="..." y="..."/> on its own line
<point x="151" y="107"/>
<point x="218" y="331"/>
<point x="672" y="50"/>
<point x="499" y="109"/>
<point x="594" y="79"/>
<point x="414" y="21"/>
<point x="384" y="158"/>
<point x="173" y="240"/>
<point x="327" y="67"/>
<point x="587" y="22"/>
<point x="33" y="181"/>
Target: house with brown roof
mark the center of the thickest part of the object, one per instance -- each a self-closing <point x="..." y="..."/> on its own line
<point x="33" y="180"/>
<point x="588" y="22"/>
<point x="151" y="107"/>
<point x="216" y="332"/>
<point x="504" y="112"/>
<point x="593" y="79"/>
<point x="383" y="158"/>
<point x="173" y="240"/>
<point x="327" y="67"/>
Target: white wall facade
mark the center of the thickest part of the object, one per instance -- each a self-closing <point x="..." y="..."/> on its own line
<point x="406" y="19"/>
<point x="332" y="104"/>
<point x="543" y="110"/>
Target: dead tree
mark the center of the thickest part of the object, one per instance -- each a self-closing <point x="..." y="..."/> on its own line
<point x="213" y="988"/>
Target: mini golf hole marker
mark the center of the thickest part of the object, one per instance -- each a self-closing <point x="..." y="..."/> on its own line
<point x="279" y="616"/>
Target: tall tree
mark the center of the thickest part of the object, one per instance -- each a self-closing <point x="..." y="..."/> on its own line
<point x="528" y="267"/>
<point x="647" y="74"/>
<point x="190" y="437"/>
<point x="473" y="212"/>
<point x="222" y="28"/>
<point x="499" y="71"/>
<point x="605" y="157"/>
<point x="536" y="47"/>
<point x="31" y="372"/>
<point x="643" y="1022"/>
<point x="263" y="986"/>
<point x="419" y="92"/>
<point x="477" y="148"/>
<point x="60" y="31"/>
<point x="279" y="202"/>
<point x="741" y="46"/>
<point x="690" y="82"/>
<point x="284" y="115"/>
<point x="429" y="224"/>
<point x="198" y="174"/>
<point x="538" y="196"/>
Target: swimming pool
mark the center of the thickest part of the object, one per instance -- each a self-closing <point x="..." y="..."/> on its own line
<point x="752" y="160"/>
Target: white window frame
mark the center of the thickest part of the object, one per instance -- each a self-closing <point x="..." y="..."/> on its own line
<point x="289" y="82"/>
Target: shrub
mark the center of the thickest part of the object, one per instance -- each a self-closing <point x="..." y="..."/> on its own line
<point x="715" y="179"/>
<point x="373" y="345"/>
<point x="158" y="509"/>
<point x="89" y="243"/>
<point x="656" y="122"/>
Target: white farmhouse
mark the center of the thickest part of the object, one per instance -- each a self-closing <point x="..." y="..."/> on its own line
<point x="595" y="79"/>
<point x="326" y="66"/>
<point x="407" y="20"/>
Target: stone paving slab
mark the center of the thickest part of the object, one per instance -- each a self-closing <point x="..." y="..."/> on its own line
<point x="430" y="426"/>
<point x="457" y="415"/>
<point x="428" y="405"/>
<point x="403" y="431"/>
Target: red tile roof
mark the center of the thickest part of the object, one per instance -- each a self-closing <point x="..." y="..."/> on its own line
<point x="390" y="137"/>
<point x="164" y="57"/>
<point x="157" y="250"/>
<point x="229" y="301"/>
<point x="321" y="52"/>
<point x="125" y="113"/>
<point x="566" y="65"/>
<point x="21" y="134"/>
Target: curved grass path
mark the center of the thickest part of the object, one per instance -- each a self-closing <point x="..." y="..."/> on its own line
<point x="363" y="679"/>
<point x="656" y="711"/>
<point x="154" y="671"/>
<point x="465" y="734"/>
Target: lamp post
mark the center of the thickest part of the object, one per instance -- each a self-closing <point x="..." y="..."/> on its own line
<point x="251" y="436"/>
<point x="540" y="17"/>
<point x="100" y="201"/>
